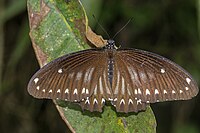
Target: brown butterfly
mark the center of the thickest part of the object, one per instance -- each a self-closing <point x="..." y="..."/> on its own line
<point x="129" y="78"/>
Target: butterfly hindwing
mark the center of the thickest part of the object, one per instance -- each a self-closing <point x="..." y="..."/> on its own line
<point x="123" y="84"/>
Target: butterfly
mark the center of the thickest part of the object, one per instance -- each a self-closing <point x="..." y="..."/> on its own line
<point x="130" y="79"/>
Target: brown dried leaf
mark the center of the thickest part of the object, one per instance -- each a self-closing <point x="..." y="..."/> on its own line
<point x="95" y="39"/>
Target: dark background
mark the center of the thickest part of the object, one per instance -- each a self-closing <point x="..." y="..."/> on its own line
<point x="166" y="27"/>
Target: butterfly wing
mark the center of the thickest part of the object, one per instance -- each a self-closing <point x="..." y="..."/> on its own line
<point x="142" y="77"/>
<point x="77" y="77"/>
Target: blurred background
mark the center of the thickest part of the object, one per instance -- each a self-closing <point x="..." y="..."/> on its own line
<point x="166" y="27"/>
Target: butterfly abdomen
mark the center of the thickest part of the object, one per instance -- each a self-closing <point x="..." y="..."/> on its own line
<point x="110" y="69"/>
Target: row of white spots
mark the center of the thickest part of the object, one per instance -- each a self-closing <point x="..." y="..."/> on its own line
<point x="156" y="92"/>
<point x="130" y="101"/>
<point x="95" y="101"/>
<point x="86" y="91"/>
<point x="67" y="91"/>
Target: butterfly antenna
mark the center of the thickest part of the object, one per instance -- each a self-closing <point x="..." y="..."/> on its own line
<point x="122" y="28"/>
<point x="101" y="26"/>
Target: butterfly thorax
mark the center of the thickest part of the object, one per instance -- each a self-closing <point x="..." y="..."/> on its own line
<point x="110" y="45"/>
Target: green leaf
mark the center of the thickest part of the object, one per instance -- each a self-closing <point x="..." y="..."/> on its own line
<point x="58" y="27"/>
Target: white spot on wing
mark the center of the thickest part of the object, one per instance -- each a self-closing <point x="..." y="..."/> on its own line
<point x="162" y="70"/>
<point x="186" y="88"/>
<point x="115" y="99"/>
<point x="135" y="91"/>
<point x="87" y="101"/>
<point x="110" y="99"/>
<point x="50" y="91"/>
<point x="122" y="101"/>
<point x="173" y="92"/>
<point x="156" y="91"/>
<point x="147" y="92"/>
<point x="102" y="100"/>
<point x="36" y="80"/>
<point x="38" y="87"/>
<point x="60" y="71"/>
<point x="165" y="92"/>
<point x="67" y="90"/>
<point x="139" y="91"/>
<point x="75" y="91"/>
<point x="188" y="80"/>
<point x="43" y="90"/>
<point x="180" y="91"/>
<point x="83" y="91"/>
<point x="95" y="101"/>
<point x="139" y="101"/>
<point x="58" y="91"/>
<point x="130" y="101"/>
<point x="87" y="91"/>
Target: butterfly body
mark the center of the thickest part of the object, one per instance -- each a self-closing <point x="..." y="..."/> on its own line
<point x="129" y="78"/>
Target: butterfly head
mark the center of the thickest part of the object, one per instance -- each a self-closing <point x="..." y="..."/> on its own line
<point x="110" y="44"/>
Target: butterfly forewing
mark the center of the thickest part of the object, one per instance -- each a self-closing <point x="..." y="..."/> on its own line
<point x="154" y="78"/>
<point x="74" y="77"/>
